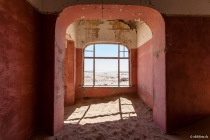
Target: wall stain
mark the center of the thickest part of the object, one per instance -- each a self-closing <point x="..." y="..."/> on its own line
<point x="83" y="89"/>
<point x="107" y="30"/>
<point x="157" y="53"/>
<point x="58" y="48"/>
<point x="132" y="24"/>
<point x="91" y="27"/>
<point x="121" y="28"/>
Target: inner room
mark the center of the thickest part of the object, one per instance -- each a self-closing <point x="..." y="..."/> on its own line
<point x="101" y="69"/>
<point x="101" y="57"/>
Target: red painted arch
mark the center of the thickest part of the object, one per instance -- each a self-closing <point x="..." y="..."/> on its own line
<point x="153" y="19"/>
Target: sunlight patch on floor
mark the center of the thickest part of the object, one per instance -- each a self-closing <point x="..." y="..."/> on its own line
<point x="119" y="109"/>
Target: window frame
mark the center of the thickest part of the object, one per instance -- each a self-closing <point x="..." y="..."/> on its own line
<point x="118" y="58"/>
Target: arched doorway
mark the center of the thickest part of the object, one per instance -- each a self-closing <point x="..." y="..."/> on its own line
<point x="150" y="16"/>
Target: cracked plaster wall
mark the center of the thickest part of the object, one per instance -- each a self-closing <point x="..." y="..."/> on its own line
<point x="105" y="31"/>
<point x="129" y="32"/>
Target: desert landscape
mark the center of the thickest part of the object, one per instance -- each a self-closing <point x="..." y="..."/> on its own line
<point x="106" y="78"/>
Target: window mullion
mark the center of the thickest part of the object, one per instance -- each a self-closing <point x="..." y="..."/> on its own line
<point x="129" y="72"/>
<point x="123" y="51"/>
<point x="94" y="65"/>
<point x="118" y="65"/>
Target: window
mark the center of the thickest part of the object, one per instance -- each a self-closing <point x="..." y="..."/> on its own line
<point x="106" y="65"/>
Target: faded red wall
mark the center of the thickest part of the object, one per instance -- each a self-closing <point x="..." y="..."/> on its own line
<point x="103" y="91"/>
<point x="70" y="74"/>
<point x="145" y="73"/>
<point x="19" y="71"/>
<point x="188" y="69"/>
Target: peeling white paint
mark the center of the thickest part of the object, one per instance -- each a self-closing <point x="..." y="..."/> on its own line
<point x="108" y="31"/>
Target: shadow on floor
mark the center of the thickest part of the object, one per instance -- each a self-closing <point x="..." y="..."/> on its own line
<point x="117" y="117"/>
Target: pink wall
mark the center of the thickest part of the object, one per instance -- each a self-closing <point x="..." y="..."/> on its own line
<point x="145" y="73"/>
<point x="151" y="73"/>
<point x="188" y="69"/>
<point x="19" y="71"/>
<point x="103" y="91"/>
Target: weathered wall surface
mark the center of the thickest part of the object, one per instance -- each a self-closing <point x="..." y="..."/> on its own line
<point x="19" y="71"/>
<point x="123" y="31"/>
<point x="145" y="73"/>
<point x="82" y="92"/>
<point x="188" y="69"/>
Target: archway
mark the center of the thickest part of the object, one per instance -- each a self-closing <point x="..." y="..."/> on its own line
<point x="150" y="16"/>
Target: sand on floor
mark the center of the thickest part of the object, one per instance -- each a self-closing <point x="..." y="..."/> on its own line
<point x="119" y="117"/>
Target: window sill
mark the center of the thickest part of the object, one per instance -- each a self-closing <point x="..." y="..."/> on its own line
<point x="106" y="86"/>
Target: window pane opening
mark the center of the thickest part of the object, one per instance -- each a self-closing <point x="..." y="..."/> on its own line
<point x="106" y="65"/>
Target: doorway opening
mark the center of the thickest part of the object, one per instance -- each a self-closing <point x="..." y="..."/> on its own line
<point x="110" y="12"/>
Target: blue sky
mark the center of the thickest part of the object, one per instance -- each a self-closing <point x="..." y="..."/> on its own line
<point x="105" y="65"/>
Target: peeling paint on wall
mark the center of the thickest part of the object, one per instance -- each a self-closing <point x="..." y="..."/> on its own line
<point x="121" y="29"/>
<point x="133" y="33"/>
<point x="91" y="27"/>
<point x="87" y="31"/>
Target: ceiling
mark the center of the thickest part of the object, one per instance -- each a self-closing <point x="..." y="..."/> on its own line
<point x="131" y="33"/>
<point x="168" y="7"/>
